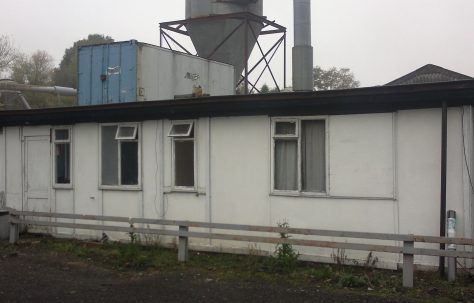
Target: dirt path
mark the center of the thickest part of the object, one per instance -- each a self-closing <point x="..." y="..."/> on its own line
<point x="31" y="276"/>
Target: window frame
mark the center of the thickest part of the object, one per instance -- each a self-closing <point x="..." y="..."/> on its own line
<point x="125" y="138"/>
<point x="120" y="186"/>
<point x="185" y="122"/>
<point x="69" y="128"/>
<point x="274" y="137"/>
<point x="291" y="136"/>
<point x="183" y="138"/>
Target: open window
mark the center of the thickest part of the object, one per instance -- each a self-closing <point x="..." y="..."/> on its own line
<point x="62" y="156"/>
<point x="120" y="155"/>
<point x="181" y="130"/>
<point x="126" y="132"/>
<point x="299" y="155"/>
<point x="182" y="135"/>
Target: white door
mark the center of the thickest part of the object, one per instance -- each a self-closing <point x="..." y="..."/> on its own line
<point x="37" y="174"/>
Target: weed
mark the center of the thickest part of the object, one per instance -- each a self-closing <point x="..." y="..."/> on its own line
<point x="285" y="257"/>
<point x="133" y="236"/>
<point x="352" y="281"/>
<point x="340" y="257"/>
<point x="322" y="274"/>
<point x="371" y="261"/>
<point x="130" y="255"/>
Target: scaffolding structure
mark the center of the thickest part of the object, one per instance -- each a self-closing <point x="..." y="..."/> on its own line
<point x="167" y="29"/>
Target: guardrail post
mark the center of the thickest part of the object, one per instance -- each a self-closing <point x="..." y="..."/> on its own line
<point x="183" y="250"/>
<point x="408" y="267"/>
<point x="14" y="230"/>
<point x="452" y="247"/>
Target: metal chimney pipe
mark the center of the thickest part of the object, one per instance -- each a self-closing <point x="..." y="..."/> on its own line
<point x="302" y="51"/>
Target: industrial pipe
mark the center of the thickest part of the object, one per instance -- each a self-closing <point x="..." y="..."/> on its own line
<point x="56" y="90"/>
<point x="302" y="50"/>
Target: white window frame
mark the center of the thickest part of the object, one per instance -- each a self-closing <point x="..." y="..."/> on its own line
<point x="181" y="138"/>
<point x="119" y="166"/>
<point x="124" y="138"/>
<point x="297" y="128"/>
<point x="71" y="150"/>
<point x="274" y="137"/>
<point x="189" y="123"/>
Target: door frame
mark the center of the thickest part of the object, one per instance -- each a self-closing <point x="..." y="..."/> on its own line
<point x="24" y="168"/>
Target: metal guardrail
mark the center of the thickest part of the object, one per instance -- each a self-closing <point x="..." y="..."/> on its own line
<point x="183" y="233"/>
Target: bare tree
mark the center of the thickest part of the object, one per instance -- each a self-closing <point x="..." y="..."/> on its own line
<point x="7" y="52"/>
<point x="35" y="70"/>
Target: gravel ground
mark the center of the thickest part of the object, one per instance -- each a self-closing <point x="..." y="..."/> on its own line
<point x="38" y="276"/>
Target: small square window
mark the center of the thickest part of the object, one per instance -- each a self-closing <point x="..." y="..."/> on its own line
<point x="286" y="129"/>
<point x="181" y="130"/>
<point x="126" y="132"/>
<point x="61" y="134"/>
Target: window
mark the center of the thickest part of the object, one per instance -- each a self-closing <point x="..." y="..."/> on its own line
<point x="120" y="155"/>
<point x="299" y="155"/>
<point x="126" y="132"/>
<point x="182" y="134"/>
<point x="62" y="156"/>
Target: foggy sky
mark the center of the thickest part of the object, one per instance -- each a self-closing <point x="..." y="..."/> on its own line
<point x="379" y="40"/>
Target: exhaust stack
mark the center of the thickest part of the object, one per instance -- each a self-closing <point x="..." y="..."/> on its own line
<point x="302" y="51"/>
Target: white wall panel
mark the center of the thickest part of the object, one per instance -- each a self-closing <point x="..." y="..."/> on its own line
<point x="361" y="155"/>
<point x="241" y="170"/>
<point x="14" y="168"/>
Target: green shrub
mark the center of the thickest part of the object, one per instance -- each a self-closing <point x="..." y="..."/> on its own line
<point x="323" y="273"/>
<point x="352" y="281"/>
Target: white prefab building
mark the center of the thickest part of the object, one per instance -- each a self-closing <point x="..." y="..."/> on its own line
<point x="364" y="160"/>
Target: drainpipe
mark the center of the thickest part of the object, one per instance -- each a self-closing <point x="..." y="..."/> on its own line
<point x="444" y="150"/>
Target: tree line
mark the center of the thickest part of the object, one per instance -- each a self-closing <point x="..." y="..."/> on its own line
<point x="326" y="79"/>
<point x="38" y="69"/>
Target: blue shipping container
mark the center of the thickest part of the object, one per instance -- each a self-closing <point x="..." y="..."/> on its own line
<point x="107" y="73"/>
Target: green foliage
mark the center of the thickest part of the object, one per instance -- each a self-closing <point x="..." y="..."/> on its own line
<point x="131" y="256"/>
<point x="321" y="274"/>
<point x="352" y="281"/>
<point x="36" y="69"/>
<point x="334" y="78"/>
<point x="66" y="73"/>
<point x="285" y="258"/>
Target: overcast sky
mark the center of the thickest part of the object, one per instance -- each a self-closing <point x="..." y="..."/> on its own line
<point x="379" y="40"/>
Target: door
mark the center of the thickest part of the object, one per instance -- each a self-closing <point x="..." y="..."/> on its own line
<point x="37" y="174"/>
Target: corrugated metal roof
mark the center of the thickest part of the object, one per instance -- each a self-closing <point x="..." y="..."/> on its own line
<point x="429" y="73"/>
